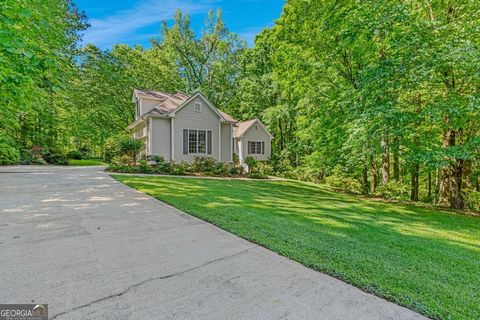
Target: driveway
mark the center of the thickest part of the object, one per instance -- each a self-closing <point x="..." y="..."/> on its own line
<point x="93" y="248"/>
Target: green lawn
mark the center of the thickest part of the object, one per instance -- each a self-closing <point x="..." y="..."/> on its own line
<point x="85" y="162"/>
<point x="426" y="260"/>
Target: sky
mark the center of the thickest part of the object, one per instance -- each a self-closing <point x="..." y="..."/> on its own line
<point x="136" y="21"/>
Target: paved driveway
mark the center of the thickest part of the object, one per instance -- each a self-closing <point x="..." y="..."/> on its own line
<point x="93" y="248"/>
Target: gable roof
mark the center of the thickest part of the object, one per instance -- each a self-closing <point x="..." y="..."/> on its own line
<point x="169" y="103"/>
<point x="151" y="94"/>
<point x="242" y="127"/>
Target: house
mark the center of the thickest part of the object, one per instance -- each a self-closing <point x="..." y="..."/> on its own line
<point x="180" y="127"/>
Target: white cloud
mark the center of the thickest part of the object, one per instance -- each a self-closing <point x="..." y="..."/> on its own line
<point x="122" y="26"/>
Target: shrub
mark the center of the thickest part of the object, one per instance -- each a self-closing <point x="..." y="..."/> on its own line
<point x="342" y="181"/>
<point x="472" y="200"/>
<point x="394" y="190"/>
<point x="130" y="147"/>
<point x="54" y="156"/>
<point x="251" y="162"/>
<point x="204" y="165"/>
<point x="124" y="160"/>
<point x="180" y="168"/>
<point x="8" y="154"/>
<point x="144" y="167"/>
<point x="163" y="168"/>
<point x="263" y="169"/>
<point x="75" y="155"/>
<point x="220" y="169"/>
<point x="234" y="170"/>
<point x="111" y="150"/>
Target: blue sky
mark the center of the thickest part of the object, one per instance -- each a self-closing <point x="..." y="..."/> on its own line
<point x="136" y="21"/>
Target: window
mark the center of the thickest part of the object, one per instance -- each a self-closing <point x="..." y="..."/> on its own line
<point x="202" y="142"/>
<point x="256" y="147"/>
<point x="192" y="141"/>
<point x="197" y="141"/>
<point x="197" y="107"/>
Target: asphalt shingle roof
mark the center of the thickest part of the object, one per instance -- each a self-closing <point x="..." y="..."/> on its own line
<point x="169" y="102"/>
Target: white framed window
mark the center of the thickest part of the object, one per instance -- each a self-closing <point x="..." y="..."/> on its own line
<point x="197" y="141"/>
<point x="256" y="147"/>
<point x="197" y="107"/>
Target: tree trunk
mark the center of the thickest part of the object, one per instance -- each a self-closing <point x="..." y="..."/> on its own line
<point x="366" y="184"/>
<point x="385" y="159"/>
<point x="467" y="174"/>
<point x="374" y="174"/>
<point x="456" y="192"/>
<point x="446" y="181"/>
<point x="414" y="182"/>
<point x="429" y="185"/>
<point x="396" y="165"/>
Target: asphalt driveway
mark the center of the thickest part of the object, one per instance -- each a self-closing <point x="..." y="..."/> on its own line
<point x="93" y="248"/>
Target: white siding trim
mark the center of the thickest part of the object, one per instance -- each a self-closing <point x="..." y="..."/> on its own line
<point x="172" y="140"/>
<point x="232" y="141"/>
<point x="219" y="142"/>
<point x="149" y="137"/>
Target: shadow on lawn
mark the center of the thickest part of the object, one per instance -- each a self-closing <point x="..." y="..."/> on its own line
<point x="308" y="203"/>
<point x="421" y="254"/>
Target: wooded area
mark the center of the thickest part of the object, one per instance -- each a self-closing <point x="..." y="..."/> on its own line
<point x="374" y="97"/>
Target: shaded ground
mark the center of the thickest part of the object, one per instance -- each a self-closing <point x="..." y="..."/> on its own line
<point x="426" y="260"/>
<point x="93" y="248"/>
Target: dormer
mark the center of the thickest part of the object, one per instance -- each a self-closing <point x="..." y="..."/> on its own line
<point x="146" y="100"/>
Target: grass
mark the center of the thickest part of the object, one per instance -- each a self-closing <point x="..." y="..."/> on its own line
<point x="85" y="162"/>
<point x="426" y="260"/>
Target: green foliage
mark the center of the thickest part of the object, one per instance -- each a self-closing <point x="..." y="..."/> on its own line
<point x="75" y="155"/>
<point x="130" y="147"/>
<point x="342" y="181"/>
<point x="209" y="62"/>
<point x="251" y="162"/>
<point x="8" y="154"/>
<point x="394" y="190"/>
<point x="234" y="170"/>
<point x="54" y="156"/>
<point x="472" y="200"/>
<point x="180" y="168"/>
<point x="37" y="44"/>
<point x="111" y="149"/>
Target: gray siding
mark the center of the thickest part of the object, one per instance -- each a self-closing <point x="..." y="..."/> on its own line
<point x="147" y="104"/>
<point x="187" y="118"/>
<point x="226" y="138"/>
<point x="160" y="142"/>
<point x="259" y="134"/>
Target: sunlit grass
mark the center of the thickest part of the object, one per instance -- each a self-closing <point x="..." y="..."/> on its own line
<point x="85" y="162"/>
<point x="426" y="260"/>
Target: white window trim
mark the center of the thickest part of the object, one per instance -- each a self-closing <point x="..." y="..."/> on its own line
<point x="206" y="141"/>
<point x="249" y="143"/>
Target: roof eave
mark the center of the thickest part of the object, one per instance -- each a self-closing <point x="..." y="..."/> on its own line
<point x="143" y="118"/>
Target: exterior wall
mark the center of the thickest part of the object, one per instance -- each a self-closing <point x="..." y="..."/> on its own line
<point x="187" y="118"/>
<point x="141" y="133"/>
<point x="259" y="134"/>
<point x="160" y="137"/>
<point x="226" y="138"/>
<point x="147" y="105"/>
<point x="235" y="146"/>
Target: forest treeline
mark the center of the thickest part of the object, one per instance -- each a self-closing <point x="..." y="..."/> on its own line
<point x="375" y="97"/>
